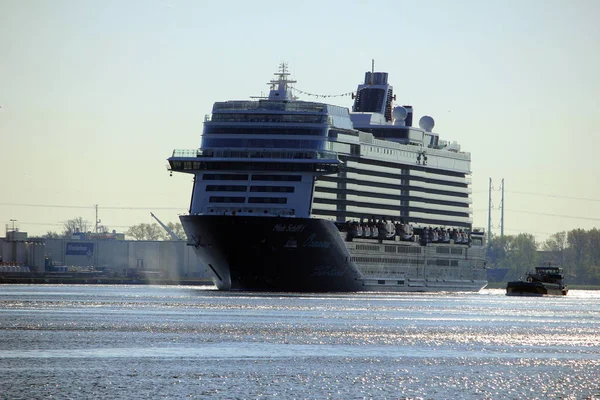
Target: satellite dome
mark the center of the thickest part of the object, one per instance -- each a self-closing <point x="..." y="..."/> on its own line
<point x="427" y="123"/>
<point x="399" y="114"/>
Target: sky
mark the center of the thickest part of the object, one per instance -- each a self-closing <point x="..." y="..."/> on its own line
<point x="95" y="95"/>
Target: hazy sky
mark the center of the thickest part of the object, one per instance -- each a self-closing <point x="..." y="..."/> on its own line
<point x="95" y="95"/>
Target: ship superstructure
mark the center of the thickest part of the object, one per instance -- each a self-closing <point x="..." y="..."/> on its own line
<point x="307" y="196"/>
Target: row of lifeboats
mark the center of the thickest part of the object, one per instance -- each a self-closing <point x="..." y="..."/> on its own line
<point x="442" y="235"/>
<point x="389" y="230"/>
<point x="380" y="230"/>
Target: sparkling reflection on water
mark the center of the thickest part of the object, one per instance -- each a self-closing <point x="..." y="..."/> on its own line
<point x="120" y="342"/>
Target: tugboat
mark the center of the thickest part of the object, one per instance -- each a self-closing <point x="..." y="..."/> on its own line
<point x="545" y="281"/>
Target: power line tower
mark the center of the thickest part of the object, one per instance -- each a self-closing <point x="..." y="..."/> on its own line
<point x="489" y="212"/>
<point x="502" y="211"/>
<point x="491" y="207"/>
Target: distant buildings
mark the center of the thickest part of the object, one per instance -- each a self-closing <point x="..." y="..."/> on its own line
<point x="109" y="253"/>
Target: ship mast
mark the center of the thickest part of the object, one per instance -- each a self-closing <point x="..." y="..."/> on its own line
<point x="279" y="87"/>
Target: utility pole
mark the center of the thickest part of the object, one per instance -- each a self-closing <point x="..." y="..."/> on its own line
<point x="97" y="220"/>
<point x="502" y="211"/>
<point x="490" y="212"/>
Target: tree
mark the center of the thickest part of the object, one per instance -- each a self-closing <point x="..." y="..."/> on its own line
<point x="145" y="231"/>
<point x="577" y="240"/>
<point x="498" y="247"/>
<point x="593" y="257"/>
<point x="154" y="231"/>
<point x="51" y="235"/>
<point x="75" y="225"/>
<point x="525" y="254"/>
<point x="517" y="253"/>
<point x="556" y="245"/>
<point x="177" y="228"/>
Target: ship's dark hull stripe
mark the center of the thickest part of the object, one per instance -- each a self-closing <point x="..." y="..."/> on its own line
<point x="274" y="254"/>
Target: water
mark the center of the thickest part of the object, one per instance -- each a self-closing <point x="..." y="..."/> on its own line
<point x="140" y="342"/>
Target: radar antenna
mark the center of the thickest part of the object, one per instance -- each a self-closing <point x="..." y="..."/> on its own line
<point x="280" y="86"/>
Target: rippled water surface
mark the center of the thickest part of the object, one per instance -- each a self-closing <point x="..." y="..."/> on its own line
<point x="140" y="342"/>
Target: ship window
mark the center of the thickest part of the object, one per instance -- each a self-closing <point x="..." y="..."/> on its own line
<point x="457" y="251"/>
<point x="221" y="199"/>
<point x="263" y="130"/>
<point x="225" y="188"/>
<point x="287" y="178"/>
<point x="251" y="117"/>
<point x="410" y="250"/>
<point x="210" y="142"/>
<point x="381" y="282"/>
<point x="454" y="263"/>
<point x="280" y="189"/>
<point x="225" y="177"/>
<point x="268" y="200"/>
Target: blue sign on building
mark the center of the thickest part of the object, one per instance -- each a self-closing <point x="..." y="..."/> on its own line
<point x="80" y="249"/>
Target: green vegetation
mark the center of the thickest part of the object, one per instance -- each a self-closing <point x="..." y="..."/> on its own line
<point x="141" y="231"/>
<point x="154" y="231"/>
<point x="576" y="251"/>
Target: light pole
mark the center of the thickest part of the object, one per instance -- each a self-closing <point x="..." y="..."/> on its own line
<point x="13" y="224"/>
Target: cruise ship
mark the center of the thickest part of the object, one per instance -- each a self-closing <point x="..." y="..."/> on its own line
<point x="301" y="196"/>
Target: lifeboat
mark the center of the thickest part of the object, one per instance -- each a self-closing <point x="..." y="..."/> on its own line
<point x="390" y="230"/>
<point x="366" y="231"/>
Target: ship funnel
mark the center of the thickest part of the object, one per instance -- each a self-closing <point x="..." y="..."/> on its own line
<point x="376" y="78"/>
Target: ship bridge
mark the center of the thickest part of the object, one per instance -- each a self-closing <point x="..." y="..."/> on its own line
<point x="261" y="157"/>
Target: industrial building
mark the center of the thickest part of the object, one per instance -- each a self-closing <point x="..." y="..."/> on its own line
<point x="105" y="255"/>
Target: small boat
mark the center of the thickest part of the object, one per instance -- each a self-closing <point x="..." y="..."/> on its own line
<point x="545" y="281"/>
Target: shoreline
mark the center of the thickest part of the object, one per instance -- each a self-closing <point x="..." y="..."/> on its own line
<point x="502" y="285"/>
<point x="99" y="280"/>
<point x="30" y="279"/>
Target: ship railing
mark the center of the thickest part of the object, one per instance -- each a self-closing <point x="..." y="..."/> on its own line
<point x="185" y="153"/>
<point x="411" y="148"/>
<point x="294" y="106"/>
<point x="262" y="154"/>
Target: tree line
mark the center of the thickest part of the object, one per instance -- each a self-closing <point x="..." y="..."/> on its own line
<point x="142" y="231"/>
<point x="576" y="251"/>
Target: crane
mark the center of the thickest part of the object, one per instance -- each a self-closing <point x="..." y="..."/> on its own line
<point x="166" y="228"/>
